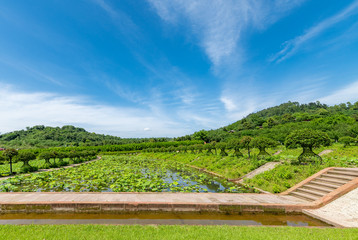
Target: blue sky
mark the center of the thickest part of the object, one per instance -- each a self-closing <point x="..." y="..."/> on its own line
<point x="153" y="68"/>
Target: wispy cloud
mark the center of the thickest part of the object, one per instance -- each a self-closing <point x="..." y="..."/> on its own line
<point x="121" y="20"/>
<point x="31" y="71"/>
<point x="292" y="46"/>
<point x="220" y="24"/>
<point x="21" y="109"/>
<point x="348" y="93"/>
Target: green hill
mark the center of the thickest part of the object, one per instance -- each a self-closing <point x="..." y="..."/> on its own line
<point x="277" y="122"/>
<point x="41" y="136"/>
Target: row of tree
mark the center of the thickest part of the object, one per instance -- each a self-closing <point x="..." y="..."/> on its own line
<point x="307" y="139"/>
<point x="25" y="156"/>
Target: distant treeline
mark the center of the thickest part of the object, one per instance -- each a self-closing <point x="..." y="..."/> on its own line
<point x="41" y="136"/>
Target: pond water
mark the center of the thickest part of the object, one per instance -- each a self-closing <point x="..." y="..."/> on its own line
<point x="164" y="218"/>
<point x="122" y="174"/>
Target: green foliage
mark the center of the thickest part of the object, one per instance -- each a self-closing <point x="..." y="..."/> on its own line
<point x="201" y="135"/>
<point x="9" y="154"/>
<point x="307" y="139"/>
<point x="347" y="141"/>
<point x="245" y="142"/>
<point x="26" y="157"/>
<point x="285" y="176"/>
<point x="279" y="121"/>
<point x="235" y="145"/>
<point x="222" y="146"/>
<point x="230" y="166"/>
<point x="262" y="143"/>
<point x="122" y="174"/>
<point x="41" y="136"/>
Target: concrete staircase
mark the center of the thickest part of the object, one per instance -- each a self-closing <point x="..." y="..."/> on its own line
<point x="324" y="183"/>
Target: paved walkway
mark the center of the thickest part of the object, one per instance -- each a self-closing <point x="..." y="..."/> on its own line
<point x="266" y="167"/>
<point x="187" y="198"/>
<point x="153" y="202"/>
<point x="342" y="212"/>
<point x="324" y="152"/>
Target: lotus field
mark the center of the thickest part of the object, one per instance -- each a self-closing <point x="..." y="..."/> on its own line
<point x="121" y="174"/>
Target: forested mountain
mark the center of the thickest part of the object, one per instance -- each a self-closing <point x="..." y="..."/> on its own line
<point x="277" y="122"/>
<point x="41" y="136"/>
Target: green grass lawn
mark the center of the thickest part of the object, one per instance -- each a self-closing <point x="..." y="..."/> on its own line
<point x="102" y="232"/>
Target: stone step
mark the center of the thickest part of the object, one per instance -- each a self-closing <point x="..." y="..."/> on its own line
<point x="324" y="184"/>
<point x="347" y="169"/>
<point x="337" y="176"/>
<point x="314" y="187"/>
<point x="305" y="196"/>
<point x="311" y="192"/>
<point x="345" y="173"/>
<point x="331" y="181"/>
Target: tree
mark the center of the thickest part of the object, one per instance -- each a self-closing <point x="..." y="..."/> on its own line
<point x="201" y="135"/>
<point x="209" y="147"/>
<point x="222" y="146"/>
<point x="199" y="148"/>
<point x="9" y="154"/>
<point x="26" y="157"/>
<point x="2" y="159"/>
<point x="213" y="144"/>
<point x="347" y="141"/>
<point x="47" y="155"/>
<point x="262" y="143"/>
<point x="245" y="142"/>
<point x="61" y="156"/>
<point x="235" y="144"/>
<point x="307" y="139"/>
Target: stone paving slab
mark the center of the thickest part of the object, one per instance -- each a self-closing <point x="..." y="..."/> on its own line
<point x="192" y="198"/>
<point x="342" y="212"/>
<point x="153" y="202"/>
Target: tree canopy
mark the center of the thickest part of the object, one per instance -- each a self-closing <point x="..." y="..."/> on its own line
<point x="307" y="139"/>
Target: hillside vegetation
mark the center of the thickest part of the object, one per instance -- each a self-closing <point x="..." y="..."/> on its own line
<point x="279" y="121"/>
<point x="41" y="136"/>
<point x="275" y="123"/>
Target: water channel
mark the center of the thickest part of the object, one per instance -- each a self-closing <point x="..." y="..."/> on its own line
<point x="164" y="219"/>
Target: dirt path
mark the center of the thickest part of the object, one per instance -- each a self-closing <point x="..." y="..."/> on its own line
<point x="266" y="167"/>
<point x="277" y="153"/>
<point x="324" y="152"/>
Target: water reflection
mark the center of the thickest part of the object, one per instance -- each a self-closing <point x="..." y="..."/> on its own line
<point x="163" y="219"/>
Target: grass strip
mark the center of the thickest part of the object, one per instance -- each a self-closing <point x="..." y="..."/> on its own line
<point x="170" y="232"/>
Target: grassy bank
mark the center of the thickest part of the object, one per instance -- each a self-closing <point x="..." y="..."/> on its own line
<point x="277" y="180"/>
<point x="170" y="232"/>
<point x="229" y="167"/>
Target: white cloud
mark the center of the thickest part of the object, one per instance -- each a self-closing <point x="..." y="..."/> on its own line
<point x="219" y="24"/>
<point x="19" y="109"/>
<point x="229" y="104"/>
<point x="347" y="94"/>
<point x="292" y="46"/>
